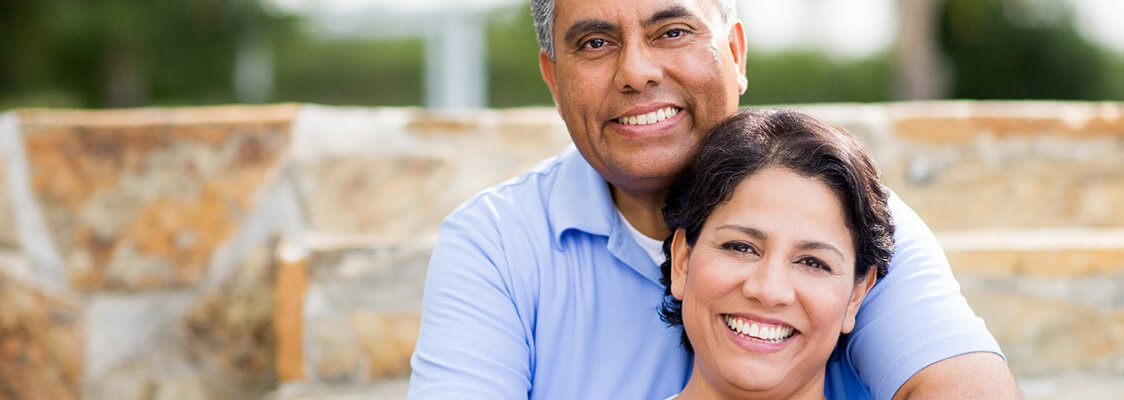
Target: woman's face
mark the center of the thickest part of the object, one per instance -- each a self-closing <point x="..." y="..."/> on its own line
<point x="769" y="286"/>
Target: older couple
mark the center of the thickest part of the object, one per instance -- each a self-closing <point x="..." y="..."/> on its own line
<point x="547" y="286"/>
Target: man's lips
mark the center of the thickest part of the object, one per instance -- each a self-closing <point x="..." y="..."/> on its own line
<point x="650" y="117"/>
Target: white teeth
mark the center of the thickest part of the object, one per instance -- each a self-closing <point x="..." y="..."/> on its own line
<point x="649" y="118"/>
<point x="769" y="334"/>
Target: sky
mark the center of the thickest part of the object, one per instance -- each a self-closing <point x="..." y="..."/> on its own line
<point x="846" y="28"/>
<point x="852" y="28"/>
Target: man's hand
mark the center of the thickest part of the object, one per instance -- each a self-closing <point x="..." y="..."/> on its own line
<point x="967" y="376"/>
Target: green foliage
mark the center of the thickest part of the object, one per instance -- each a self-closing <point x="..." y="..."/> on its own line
<point x="105" y="53"/>
<point x="353" y="72"/>
<point x="813" y="77"/>
<point x="99" y="53"/>
<point x="1021" y="49"/>
<point x="513" y="61"/>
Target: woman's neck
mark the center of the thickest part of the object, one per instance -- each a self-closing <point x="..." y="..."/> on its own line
<point x="700" y="387"/>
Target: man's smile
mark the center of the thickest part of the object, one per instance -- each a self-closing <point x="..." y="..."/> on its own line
<point x="650" y="117"/>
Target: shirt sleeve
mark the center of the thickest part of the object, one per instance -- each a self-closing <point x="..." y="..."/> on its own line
<point x="472" y="343"/>
<point x="915" y="316"/>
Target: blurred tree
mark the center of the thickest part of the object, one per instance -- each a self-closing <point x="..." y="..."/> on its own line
<point x="919" y="74"/>
<point x="813" y="77"/>
<point x="513" y="63"/>
<point x="351" y="71"/>
<point x="1020" y="49"/>
<point x="113" y="53"/>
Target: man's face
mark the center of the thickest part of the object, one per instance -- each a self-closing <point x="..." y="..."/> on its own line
<point x="639" y="82"/>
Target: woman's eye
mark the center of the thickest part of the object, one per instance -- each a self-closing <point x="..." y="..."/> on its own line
<point x="815" y="263"/>
<point x="740" y="247"/>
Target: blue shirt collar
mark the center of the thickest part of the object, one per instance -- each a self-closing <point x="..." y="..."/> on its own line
<point x="580" y="200"/>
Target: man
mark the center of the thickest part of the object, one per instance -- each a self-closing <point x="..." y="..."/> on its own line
<point x="547" y="286"/>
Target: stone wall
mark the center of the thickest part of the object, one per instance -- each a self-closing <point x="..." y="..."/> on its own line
<point x="279" y="251"/>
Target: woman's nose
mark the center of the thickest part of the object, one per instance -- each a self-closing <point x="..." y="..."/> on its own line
<point x="770" y="284"/>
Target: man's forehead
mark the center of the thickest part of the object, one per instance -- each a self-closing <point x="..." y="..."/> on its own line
<point x="567" y="11"/>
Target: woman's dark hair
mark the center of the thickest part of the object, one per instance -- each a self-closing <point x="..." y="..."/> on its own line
<point x="752" y="140"/>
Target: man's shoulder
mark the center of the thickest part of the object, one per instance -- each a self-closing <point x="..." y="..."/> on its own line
<point x="523" y="196"/>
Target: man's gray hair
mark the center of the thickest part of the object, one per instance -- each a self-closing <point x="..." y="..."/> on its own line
<point x="543" y="12"/>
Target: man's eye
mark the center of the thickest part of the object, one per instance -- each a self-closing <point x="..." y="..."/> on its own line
<point x="595" y="43"/>
<point x="674" y="33"/>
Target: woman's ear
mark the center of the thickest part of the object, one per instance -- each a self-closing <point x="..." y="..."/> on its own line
<point x="680" y="252"/>
<point x="857" y="295"/>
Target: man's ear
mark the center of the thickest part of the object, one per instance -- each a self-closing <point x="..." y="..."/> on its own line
<point x="737" y="48"/>
<point x="857" y="295"/>
<point x="547" y="68"/>
<point x="680" y="252"/>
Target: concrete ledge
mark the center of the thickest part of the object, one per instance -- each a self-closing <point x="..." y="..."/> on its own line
<point x="1042" y="253"/>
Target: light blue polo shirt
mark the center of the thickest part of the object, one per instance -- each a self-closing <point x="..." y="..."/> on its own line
<point x="536" y="289"/>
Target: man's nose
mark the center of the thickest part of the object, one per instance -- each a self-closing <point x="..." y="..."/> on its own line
<point x="637" y="68"/>
<point x="770" y="283"/>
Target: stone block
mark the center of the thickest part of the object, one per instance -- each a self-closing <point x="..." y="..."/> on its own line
<point x="1037" y="183"/>
<point x="1072" y="386"/>
<point x="1044" y="336"/>
<point x="140" y="199"/>
<point x="394" y="389"/>
<point x="364" y="307"/>
<point x="387" y="340"/>
<point x="961" y="122"/>
<point x="396" y="172"/>
<point x="41" y="349"/>
<point x="333" y="354"/>
<point x="1054" y="299"/>
<point x="392" y="195"/>
<point x="188" y="344"/>
<point x="1050" y="253"/>
<point x="371" y="273"/>
<point x="125" y="330"/>
<point x="9" y="236"/>
<point x="230" y="333"/>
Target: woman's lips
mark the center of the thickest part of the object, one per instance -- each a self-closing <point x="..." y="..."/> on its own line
<point x="759" y="331"/>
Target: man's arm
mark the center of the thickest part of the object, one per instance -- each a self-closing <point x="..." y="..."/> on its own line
<point x="990" y="379"/>
<point x="472" y="343"/>
<point x="916" y="334"/>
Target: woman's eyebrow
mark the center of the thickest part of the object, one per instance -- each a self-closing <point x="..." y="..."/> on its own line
<point x="814" y="245"/>
<point x="756" y="233"/>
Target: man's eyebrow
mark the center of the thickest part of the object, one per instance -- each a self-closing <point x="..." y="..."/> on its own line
<point x="584" y="26"/>
<point x="668" y="13"/>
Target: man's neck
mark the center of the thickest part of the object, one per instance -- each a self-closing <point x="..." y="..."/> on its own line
<point x="643" y="210"/>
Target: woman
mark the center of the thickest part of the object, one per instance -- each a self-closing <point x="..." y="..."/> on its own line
<point x="780" y="228"/>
